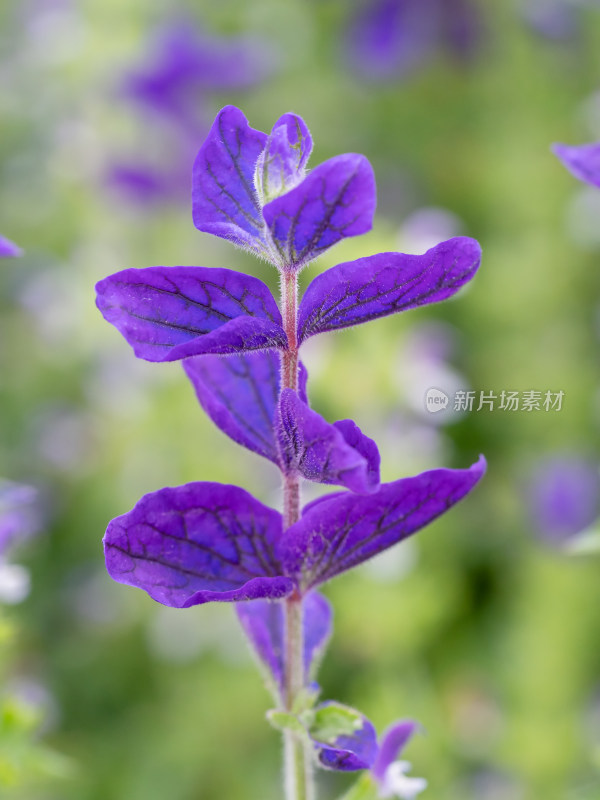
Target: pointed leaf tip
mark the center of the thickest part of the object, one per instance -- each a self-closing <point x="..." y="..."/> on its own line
<point x="346" y="529"/>
<point x="388" y="283"/>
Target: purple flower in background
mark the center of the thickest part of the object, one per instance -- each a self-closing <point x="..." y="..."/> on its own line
<point x="564" y="497"/>
<point x="553" y="19"/>
<point x="18" y="521"/>
<point x="583" y="161"/>
<point x="557" y="20"/>
<point x="183" y="68"/>
<point x="8" y="249"/>
<point x="387" y="39"/>
<point x="18" y="518"/>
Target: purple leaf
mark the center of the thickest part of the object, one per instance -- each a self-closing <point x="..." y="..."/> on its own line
<point x="393" y="741"/>
<point x="168" y="313"/>
<point x="335" y="200"/>
<point x="281" y="165"/>
<point x="318" y="451"/>
<point x="264" y="624"/>
<point x="337" y="534"/>
<point x="583" y="161"/>
<point x="196" y="543"/>
<point x="240" y="393"/>
<point x="373" y="287"/>
<point x="367" y="448"/>
<point x="345" y="740"/>
<point x="9" y="249"/>
<point x="224" y="197"/>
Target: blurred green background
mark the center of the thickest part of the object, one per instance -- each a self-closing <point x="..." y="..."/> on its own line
<point x="477" y="628"/>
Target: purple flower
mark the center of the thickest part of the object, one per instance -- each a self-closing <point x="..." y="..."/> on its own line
<point x="358" y="748"/>
<point x="389" y="38"/>
<point x="583" y="161"/>
<point x="564" y="497"/>
<point x="389" y="773"/>
<point x="183" y="64"/>
<point x="206" y="541"/>
<point x="182" y="69"/>
<point x="8" y="249"/>
<point x="344" y="740"/>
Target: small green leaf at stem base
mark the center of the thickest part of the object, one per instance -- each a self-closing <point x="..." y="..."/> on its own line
<point x="335" y="720"/>
<point x="284" y="721"/>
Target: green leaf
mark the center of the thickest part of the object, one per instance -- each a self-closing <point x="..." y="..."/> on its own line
<point x="284" y="721"/>
<point x="334" y="720"/>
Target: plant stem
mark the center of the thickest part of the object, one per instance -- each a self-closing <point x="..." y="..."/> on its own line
<point x="299" y="784"/>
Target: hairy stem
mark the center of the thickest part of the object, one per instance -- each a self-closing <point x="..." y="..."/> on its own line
<point x="299" y="784"/>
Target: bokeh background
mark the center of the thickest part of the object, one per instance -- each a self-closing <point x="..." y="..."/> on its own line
<point x="485" y="627"/>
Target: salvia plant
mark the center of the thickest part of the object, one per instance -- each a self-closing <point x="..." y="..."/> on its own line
<point x="205" y="541"/>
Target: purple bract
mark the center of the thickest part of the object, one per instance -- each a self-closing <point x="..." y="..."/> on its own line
<point x="264" y="625"/>
<point x="169" y="313"/>
<point x="207" y="541"/>
<point x="250" y="188"/>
